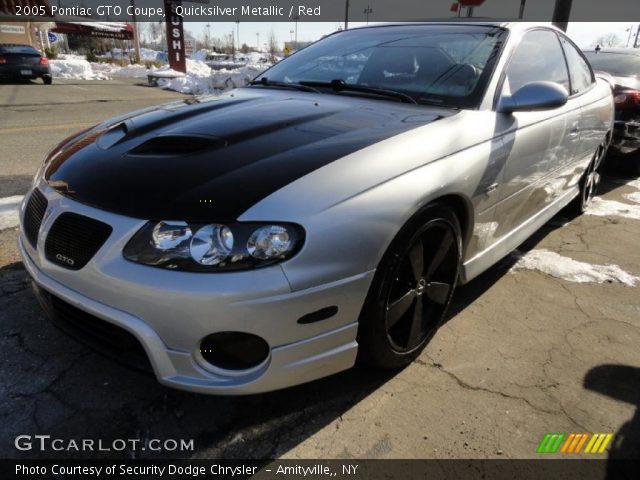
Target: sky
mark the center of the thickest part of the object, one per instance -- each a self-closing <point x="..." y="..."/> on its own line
<point x="583" y="33"/>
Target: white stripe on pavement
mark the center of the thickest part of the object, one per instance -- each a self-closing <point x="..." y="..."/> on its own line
<point x="9" y="207"/>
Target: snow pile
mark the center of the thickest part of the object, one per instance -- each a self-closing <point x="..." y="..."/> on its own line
<point x="200" y="55"/>
<point x="630" y="183"/>
<point x="9" y="208"/>
<point x="75" y="67"/>
<point x="571" y="270"/>
<point x="633" y="197"/>
<point x="128" y="71"/>
<point x="200" y="79"/>
<point x="611" y="208"/>
<point x="145" y="53"/>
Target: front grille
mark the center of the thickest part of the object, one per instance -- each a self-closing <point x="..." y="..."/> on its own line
<point x="100" y="335"/>
<point x="33" y="214"/>
<point x="74" y="239"/>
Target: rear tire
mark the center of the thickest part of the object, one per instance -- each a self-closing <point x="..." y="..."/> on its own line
<point x="590" y="181"/>
<point x="412" y="289"/>
<point x="47" y="79"/>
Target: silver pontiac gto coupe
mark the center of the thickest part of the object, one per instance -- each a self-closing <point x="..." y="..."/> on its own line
<point x="274" y="234"/>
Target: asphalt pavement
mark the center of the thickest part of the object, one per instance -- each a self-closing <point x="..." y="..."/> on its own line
<point x="524" y="352"/>
<point x="35" y="117"/>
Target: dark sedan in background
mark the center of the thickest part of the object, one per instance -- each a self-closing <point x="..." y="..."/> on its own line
<point x="623" y="64"/>
<point x="23" y="62"/>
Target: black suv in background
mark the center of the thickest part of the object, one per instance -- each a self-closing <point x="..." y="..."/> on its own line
<point x="623" y="64"/>
<point x="23" y="62"/>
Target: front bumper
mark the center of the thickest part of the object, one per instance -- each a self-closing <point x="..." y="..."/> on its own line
<point x="170" y="312"/>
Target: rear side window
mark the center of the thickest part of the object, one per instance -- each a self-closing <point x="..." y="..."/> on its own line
<point x="579" y="71"/>
<point x="18" y="49"/>
<point x="538" y="58"/>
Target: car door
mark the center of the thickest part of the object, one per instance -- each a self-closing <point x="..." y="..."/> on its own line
<point x="592" y="126"/>
<point x="539" y="144"/>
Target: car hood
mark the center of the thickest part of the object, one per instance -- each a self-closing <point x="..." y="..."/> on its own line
<point x="211" y="159"/>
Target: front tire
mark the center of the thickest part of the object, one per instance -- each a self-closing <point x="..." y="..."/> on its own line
<point x="412" y="289"/>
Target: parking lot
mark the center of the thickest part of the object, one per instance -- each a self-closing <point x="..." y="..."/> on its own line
<point x="525" y="351"/>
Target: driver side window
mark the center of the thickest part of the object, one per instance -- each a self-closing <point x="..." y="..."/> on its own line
<point x="538" y="58"/>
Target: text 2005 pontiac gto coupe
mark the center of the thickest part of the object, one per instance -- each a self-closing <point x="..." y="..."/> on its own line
<point x="271" y="235"/>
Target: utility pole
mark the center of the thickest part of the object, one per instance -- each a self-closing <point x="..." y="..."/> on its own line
<point x="258" y="41"/>
<point x="561" y="14"/>
<point x="136" y="33"/>
<point x="346" y="15"/>
<point x="296" y="18"/>
<point x="238" y="32"/>
<point x="367" y="11"/>
<point x="635" y="43"/>
<point x="522" y="5"/>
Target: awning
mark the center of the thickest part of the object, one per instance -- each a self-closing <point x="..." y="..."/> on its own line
<point x="122" y="31"/>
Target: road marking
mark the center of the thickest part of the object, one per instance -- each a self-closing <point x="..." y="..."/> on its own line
<point x="42" y="128"/>
<point x="9" y="207"/>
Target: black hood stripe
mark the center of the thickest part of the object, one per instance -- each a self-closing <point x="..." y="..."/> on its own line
<point x="259" y="141"/>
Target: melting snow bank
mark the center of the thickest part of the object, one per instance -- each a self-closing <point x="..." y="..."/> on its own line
<point x="634" y="197"/>
<point x="571" y="270"/>
<point x="76" y="67"/>
<point x="111" y="70"/>
<point x="9" y="207"/>
<point x="611" y="208"/>
<point x="200" y="79"/>
<point x="630" y="183"/>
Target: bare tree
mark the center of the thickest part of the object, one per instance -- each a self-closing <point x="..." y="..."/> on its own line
<point x="272" y="45"/>
<point x="609" y="40"/>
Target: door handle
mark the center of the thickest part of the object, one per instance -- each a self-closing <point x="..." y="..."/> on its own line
<point x="491" y="188"/>
<point x="575" y="130"/>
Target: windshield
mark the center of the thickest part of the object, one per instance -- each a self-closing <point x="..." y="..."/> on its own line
<point x="615" y="63"/>
<point x="18" y="49"/>
<point x="438" y="64"/>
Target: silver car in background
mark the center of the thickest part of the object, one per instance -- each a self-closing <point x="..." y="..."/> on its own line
<point x="274" y="234"/>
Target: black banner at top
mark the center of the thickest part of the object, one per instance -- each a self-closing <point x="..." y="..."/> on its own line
<point x="319" y="10"/>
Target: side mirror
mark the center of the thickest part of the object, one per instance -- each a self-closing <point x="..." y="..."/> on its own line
<point x="533" y="97"/>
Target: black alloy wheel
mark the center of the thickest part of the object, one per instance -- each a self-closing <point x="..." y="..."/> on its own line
<point x="412" y="289"/>
<point x="590" y="181"/>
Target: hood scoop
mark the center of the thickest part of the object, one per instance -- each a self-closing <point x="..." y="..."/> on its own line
<point x="177" y="145"/>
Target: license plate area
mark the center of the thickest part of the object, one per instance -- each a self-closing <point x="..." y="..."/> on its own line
<point x="26" y="72"/>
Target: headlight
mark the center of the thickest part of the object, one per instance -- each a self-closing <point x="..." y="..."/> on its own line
<point x="198" y="247"/>
<point x="269" y="242"/>
<point x="211" y="245"/>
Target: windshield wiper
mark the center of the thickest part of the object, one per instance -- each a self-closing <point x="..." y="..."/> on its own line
<point x="264" y="81"/>
<point x="342" y="86"/>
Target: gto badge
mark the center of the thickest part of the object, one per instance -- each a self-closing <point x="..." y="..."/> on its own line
<point x="67" y="260"/>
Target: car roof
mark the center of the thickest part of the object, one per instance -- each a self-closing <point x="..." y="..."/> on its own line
<point x="475" y="21"/>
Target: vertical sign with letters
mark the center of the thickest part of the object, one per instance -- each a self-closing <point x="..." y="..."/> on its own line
<point x="175" y="37"/>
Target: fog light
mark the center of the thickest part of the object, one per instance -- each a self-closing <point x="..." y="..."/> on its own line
<point x="234" y="350"/>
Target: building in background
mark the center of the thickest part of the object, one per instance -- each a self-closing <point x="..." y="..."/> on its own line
<point x="26" y="33"/>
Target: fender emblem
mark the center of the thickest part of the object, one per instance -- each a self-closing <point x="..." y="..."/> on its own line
<point x="67" y="260"/>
